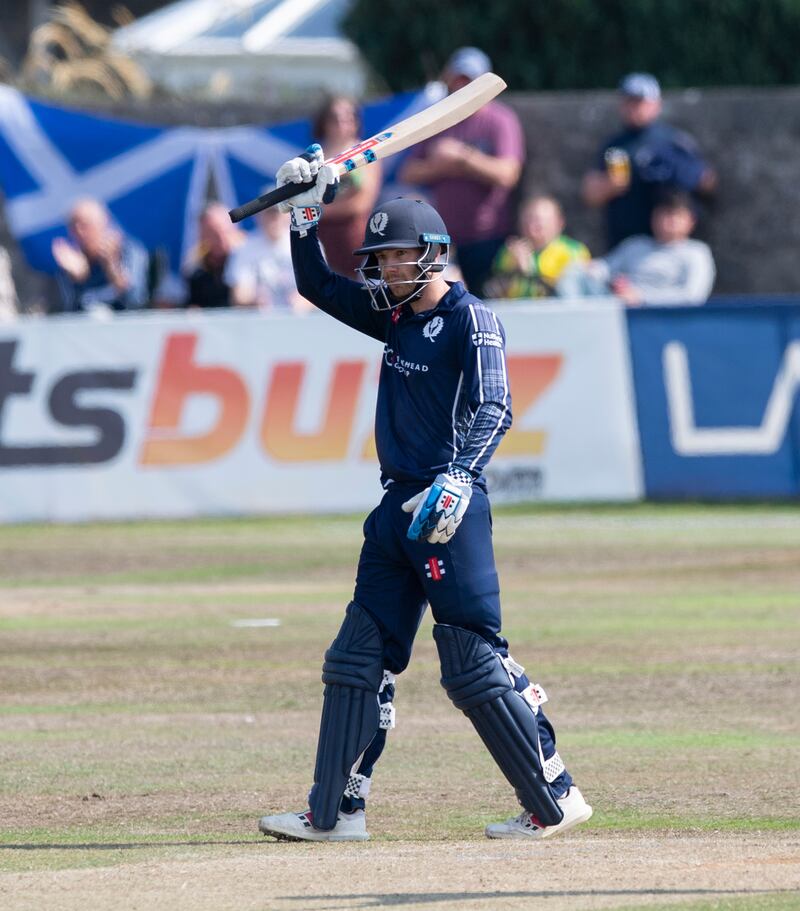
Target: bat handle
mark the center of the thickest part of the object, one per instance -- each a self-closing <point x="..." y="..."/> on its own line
<point x="269" y="199"/>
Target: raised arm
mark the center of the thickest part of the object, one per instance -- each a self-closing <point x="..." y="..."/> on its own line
<point x="336" y="295"/>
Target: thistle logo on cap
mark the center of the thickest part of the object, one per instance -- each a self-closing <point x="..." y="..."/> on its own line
<point x="378" y="223"/>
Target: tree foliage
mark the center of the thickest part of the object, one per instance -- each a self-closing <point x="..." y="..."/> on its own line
<point x="579" y="44"/>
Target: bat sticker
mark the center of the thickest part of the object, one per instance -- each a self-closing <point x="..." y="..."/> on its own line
<point x="362" y="147"/>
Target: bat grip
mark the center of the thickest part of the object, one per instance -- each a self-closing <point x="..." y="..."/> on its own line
<point x="279" y="194"/>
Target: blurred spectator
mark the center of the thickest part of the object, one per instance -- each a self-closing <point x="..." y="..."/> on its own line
<point x="646" y="157"/>
<point x="100" y="268"/>
<point x="337" y="127"/>
<point x="218" y="238"/>
<point x="531" y="264"/>
<point x="9" y="303"/>
<point x="667" y="268"/>
<point x="471" y="170"/>
<point x="259" y="272"/>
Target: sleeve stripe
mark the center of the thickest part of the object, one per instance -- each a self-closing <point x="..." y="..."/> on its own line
<point x="477" y="354"/>
<point x="453" y="413"/>
<point x="505" y="398"/>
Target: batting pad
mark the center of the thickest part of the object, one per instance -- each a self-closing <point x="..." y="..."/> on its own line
<point x="352" y="674"/>
<point x="478" y="684"/>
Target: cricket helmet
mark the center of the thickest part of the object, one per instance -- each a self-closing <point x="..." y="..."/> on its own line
<point x="403" y="224"/>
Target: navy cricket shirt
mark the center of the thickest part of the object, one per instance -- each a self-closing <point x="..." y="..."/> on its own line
<point x="443" y="396"/>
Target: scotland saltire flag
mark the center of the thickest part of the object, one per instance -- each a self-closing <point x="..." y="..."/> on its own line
<point x="153" y="179"/>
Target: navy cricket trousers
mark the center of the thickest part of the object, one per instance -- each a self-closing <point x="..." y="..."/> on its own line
<point x="397" y="579"/>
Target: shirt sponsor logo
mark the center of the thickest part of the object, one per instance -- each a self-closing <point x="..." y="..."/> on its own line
<point x="378" y="223"/>
<point x="433" y="327"/>
<point x="487" y="339"/>
<point x="403" y="366"/>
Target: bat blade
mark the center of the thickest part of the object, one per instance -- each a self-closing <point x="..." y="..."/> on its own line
<point x="422" y="125"/>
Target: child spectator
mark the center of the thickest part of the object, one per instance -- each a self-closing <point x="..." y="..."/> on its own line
<point x="531" y="264"/>
<point x="667" y="268"/>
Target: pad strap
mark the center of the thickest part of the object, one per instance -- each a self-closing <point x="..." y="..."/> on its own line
<point x="553" y="767"/>
<point x="385" y="705"/>
<point x="357" y="785"/>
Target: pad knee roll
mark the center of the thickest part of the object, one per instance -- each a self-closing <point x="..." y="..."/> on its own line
<point x="352" y="674"/>
<point x="478" y="684"/>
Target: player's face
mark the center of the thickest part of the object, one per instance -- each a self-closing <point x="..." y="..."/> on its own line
<point x="399" y="269"/>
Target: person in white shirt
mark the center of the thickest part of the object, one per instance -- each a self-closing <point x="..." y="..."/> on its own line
<point x="669" y="268"/>
<point x="260" y="272"/>
<point x="9" y="303"/>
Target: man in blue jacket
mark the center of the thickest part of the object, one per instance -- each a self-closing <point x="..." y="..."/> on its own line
<point x="647" y="157"/>
<point x="443" y="406"/>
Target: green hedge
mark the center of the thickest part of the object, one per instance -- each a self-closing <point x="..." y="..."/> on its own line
<point x="577" y="44"/>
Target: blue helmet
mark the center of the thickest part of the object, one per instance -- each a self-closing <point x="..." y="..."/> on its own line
<point x="403" y="224"/>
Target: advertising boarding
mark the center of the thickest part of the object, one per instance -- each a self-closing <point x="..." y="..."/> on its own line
<point x="717" y="400"/>
<point x="221" y="414"/>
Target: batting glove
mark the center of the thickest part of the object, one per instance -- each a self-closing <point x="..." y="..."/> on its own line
<point x="305" y="207"/>
<point x="439" y="509"/>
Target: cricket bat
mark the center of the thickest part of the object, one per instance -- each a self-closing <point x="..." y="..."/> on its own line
<point x="422" y="125"/>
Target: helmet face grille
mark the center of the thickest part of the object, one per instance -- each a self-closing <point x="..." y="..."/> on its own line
<point x="428" y="268"/>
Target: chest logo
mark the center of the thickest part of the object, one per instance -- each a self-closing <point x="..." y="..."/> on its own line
<point x="433" y="327"/>
<point x="378" y="222"/>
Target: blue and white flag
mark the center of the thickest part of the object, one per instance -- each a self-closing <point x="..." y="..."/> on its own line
<point x="153" y="179"/>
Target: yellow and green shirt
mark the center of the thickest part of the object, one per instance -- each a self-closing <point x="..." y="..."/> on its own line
<point x="544" y="269"/>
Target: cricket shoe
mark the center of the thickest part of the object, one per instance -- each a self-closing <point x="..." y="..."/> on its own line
<point x="526" y="825"/>
<point x="299" y="827"/>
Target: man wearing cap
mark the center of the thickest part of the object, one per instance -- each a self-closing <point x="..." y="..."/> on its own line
<point x="647" y="157"/>
<point x="443" y="406"/>
<point x="470" y="171"/>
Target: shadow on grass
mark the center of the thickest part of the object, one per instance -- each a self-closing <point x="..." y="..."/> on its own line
<point x="122" y="846"/>
<point x="373" y="900"/>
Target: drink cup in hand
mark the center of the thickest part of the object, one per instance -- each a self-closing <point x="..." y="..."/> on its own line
<point x="618" y="167"/>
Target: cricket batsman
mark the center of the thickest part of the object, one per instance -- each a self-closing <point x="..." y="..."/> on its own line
<point x="443" y="406"/>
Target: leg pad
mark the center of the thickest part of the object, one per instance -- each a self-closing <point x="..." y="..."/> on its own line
<point x="478" y="684"/>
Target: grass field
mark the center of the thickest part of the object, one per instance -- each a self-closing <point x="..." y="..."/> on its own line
<point x="144" y="729"/>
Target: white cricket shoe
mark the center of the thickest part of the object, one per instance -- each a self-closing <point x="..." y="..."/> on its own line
<point x="572" y="804"/>
<point x="298" y="827"/>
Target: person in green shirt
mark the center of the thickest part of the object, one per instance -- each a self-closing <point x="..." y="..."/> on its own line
<point x="530" y="265"/>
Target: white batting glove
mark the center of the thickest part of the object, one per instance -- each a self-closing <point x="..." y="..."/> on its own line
<point x="305" y="207"/>
<point x="439" y="509"/>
